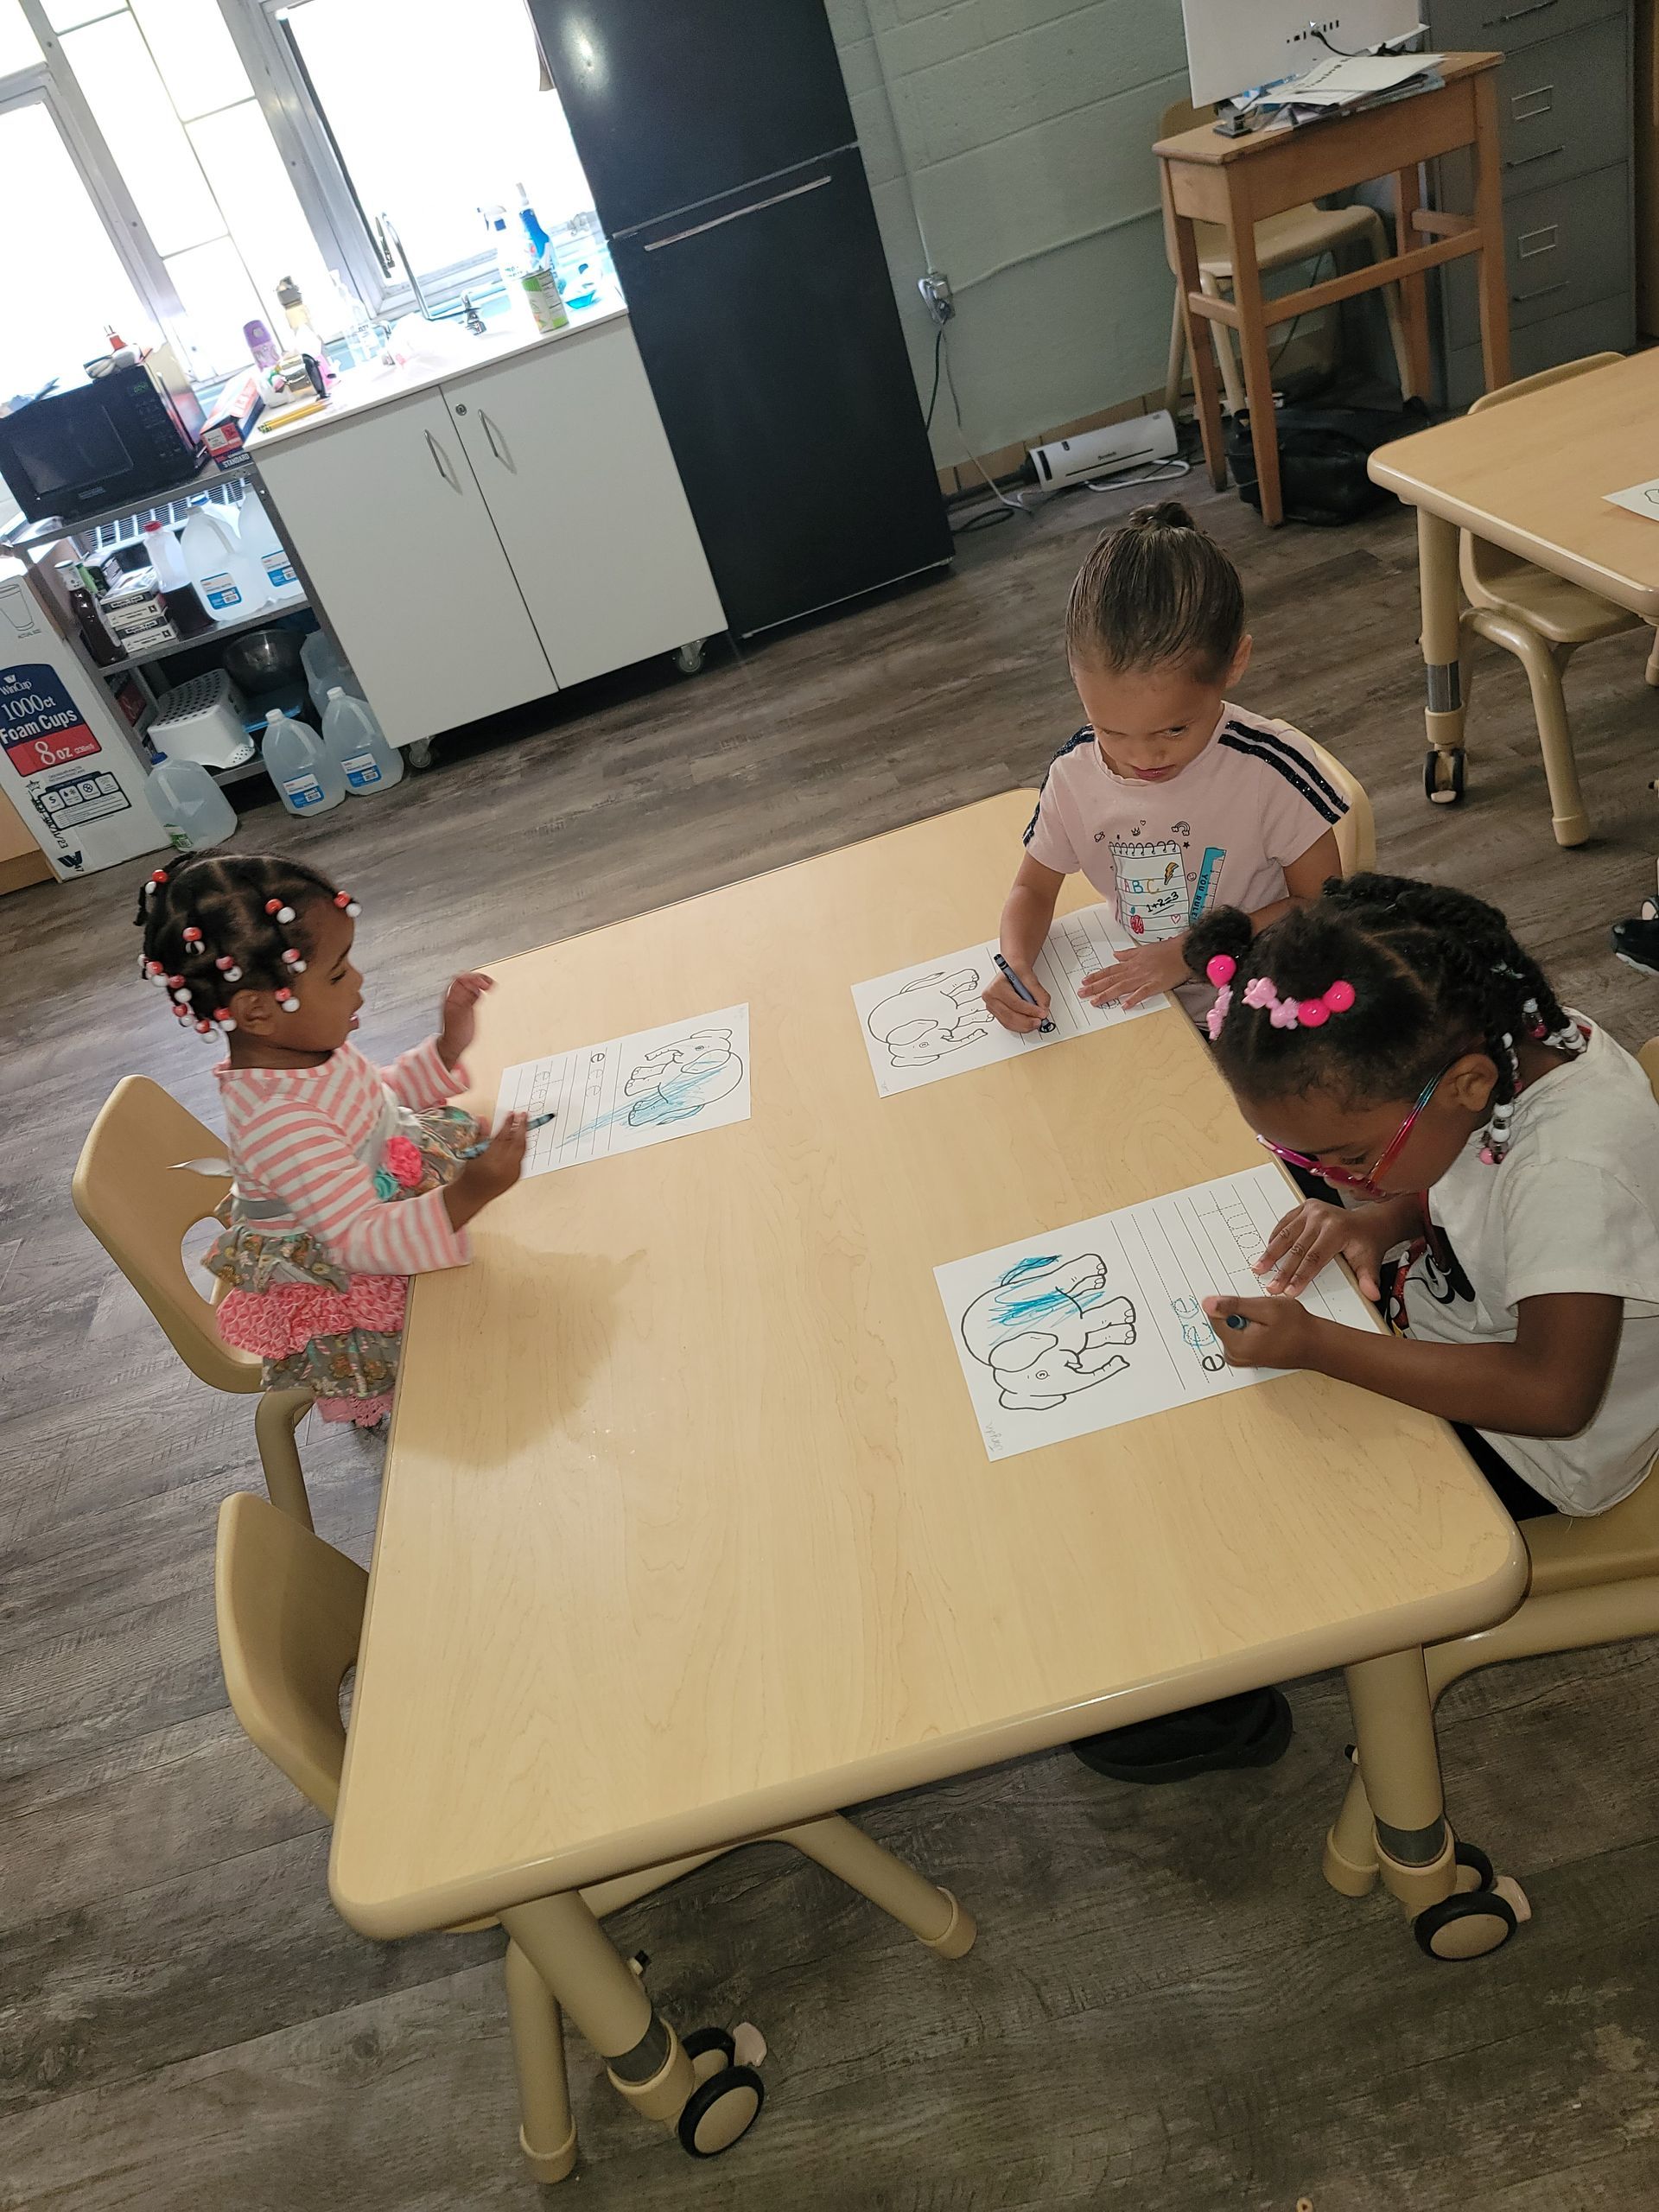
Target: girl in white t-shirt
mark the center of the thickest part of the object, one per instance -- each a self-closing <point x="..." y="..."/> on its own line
<point x="1393" y="1038"/>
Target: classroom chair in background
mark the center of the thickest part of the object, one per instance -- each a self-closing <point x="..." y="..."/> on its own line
<point x="130" y="1191"/>
<point x="290" y="1617"/>
<point x="1594" y="1581"/>
<point x="1542" y="619"/>
<point x="1302" y="233"/>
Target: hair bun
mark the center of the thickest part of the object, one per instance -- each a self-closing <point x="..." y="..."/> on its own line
<point x="1167" y="514"/>
<point x="1228" y="930"/>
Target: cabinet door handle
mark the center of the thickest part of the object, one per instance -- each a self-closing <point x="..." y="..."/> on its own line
<point x="441" y="459"/>
<point x="498" y="443"/>
<point x="1524" y="105"/>
<point x="1514" y="15"/>
<point x="1541" y="240"/>
<point x="1520" y="299"/>
<point x="1544" y="154"/>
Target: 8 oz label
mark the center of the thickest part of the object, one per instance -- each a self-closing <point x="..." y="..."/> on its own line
<point x="41" y="726"/>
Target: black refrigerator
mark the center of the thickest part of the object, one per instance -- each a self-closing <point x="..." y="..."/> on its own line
<point x="718" y="140"/>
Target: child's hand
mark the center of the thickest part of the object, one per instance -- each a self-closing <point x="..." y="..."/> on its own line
<point x="1138" y="976"/>
<point x="1277" y="1332"/>
<point x="1010" y="1009"/>
<point x="1313" y="1234"/>
<point x="497" y="1168"/>
<point x="460" y="1022"/>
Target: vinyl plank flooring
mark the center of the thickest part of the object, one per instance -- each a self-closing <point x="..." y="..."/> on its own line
<point x="1165" y="2006"/>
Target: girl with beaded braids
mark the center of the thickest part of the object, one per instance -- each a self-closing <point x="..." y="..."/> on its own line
<point x="1393" y="1038"/>
<point x="348" y="1179"/>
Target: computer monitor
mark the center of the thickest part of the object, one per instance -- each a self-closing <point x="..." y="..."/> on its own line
<point x="1232" y="45"/>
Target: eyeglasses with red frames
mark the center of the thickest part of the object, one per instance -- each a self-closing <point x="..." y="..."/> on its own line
<point x="1342" y="1176"/>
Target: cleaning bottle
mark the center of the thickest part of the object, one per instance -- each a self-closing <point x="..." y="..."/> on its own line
<point x="306" y="780"/>
<point x="182" y="599"/>
<point x="532" y="222"/>
<point x="193" y="810"/>
<point x="354" y="741"/>
<point x="527" y="282"/>
<point x="262" y="545"/>
<point x="231" y="585"/>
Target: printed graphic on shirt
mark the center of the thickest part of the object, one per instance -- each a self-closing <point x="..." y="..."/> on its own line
<point x="1152" y="894"/>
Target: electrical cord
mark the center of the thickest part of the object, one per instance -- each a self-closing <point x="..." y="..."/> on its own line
<point x="1006" y="505"/>
<point x="933" y="395"/>
<point x="1166" y="472"/>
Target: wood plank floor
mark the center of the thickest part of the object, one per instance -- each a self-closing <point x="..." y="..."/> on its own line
<point x="1167" y="2008"/>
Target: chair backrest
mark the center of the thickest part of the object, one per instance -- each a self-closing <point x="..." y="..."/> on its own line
<point x="1481" y="565"/>
<point x="291" y="1619"/>
<point x="1357" y="831"/>
<point x="1648" y="1056"/>
<point x="139" y="1204"/>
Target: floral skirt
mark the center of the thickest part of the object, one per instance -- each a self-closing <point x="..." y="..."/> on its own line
<point x="314" y="1325"/>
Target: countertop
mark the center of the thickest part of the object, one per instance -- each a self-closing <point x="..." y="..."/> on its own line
<point x="358" y="390"/>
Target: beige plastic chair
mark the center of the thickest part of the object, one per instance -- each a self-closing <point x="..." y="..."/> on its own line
<point x="129" y="1192"/>
<point x="1298" y="234"/>
<point x="1594" y="1581"/>
<point x="290" y="1617"/>
<point x="1542" y="619"/>
<point x="1357" y="831"/>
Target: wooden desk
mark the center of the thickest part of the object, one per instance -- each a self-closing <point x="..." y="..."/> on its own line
<point x="1529" y="476"/>
<point x="1237" y="181"/>
<point x="688" y="1531"/>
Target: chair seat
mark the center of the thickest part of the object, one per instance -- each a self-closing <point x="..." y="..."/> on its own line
<point x="1298" y="234"/>
<point x="1564" y="613"/>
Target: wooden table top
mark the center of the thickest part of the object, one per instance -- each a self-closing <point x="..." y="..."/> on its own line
<point x="688" y="1530"/>
<point x="1209" y="149"/>
<point x="1531" y="475"/>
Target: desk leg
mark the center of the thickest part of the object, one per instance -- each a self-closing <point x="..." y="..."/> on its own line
<point x="547" y="2134"/>
<point x="1437" y="580"/>
<point x="1492" y="263"/>
<point x="1253" y="345"/>
<point x="1414" y="291"/>
<point x="1200" y="346"/>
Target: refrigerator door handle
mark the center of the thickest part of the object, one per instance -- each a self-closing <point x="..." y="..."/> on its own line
<point x="444" y="469"/>
<point x="754" y="207"/>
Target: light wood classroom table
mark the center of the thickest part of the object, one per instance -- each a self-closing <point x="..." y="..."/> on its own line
<point x="1529" y="476"/>
<point x="688" y="1532"/>
<point x="1238" y="182"/>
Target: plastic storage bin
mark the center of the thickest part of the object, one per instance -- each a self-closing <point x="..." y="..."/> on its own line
<point x="202" y="720"/>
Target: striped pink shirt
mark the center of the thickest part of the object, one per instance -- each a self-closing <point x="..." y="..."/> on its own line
<point x="291" y="1134"/>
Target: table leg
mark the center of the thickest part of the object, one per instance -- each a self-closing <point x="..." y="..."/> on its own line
<point x="1253" y="345"/>
<point x="1394" y="1721"/>
<point x="547" y="2134"/>
<point x="931" y="1914"/>
<point x="1200" y="347"/>
<point x="1437" y="580"/>
<point x="1414" y="291"/>
<point x="1491" y="264"/>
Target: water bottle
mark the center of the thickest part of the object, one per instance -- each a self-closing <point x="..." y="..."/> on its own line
<point x="308" y="781"/>
<point x="262" y="546"/>
<point x="230" y="585"/>
<point x="324" y="669"/>
<point x="193" y="810"/>
<point x="355" y="742"/>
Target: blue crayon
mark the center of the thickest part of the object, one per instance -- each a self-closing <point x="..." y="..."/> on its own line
<point x="536" y="1121"/>
<point x="1045" y="1028"/>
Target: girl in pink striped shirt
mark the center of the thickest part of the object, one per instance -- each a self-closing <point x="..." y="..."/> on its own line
<point x="348" y="1177"/>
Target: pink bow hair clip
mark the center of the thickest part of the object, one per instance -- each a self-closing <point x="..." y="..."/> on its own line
<point x="1298" y="1013"/>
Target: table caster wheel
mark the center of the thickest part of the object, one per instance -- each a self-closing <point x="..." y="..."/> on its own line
<point x="1443" y="775"/>
<point x="419" y="754"/>
<point x="1474" y="1868"/>
<point x="721" y="2111"/>
<point x="710" y="2049"/>
<point x="689" y="658"/>
<point x="1465" y="1925"/>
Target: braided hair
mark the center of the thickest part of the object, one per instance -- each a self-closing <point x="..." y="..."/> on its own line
<point x="1157" y="592"/>
<point x="219" y="922"/>
<point x="1433" y="973"/>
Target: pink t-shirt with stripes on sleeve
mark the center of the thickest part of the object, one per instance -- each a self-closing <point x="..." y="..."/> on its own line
<point x="293" y="1135"/>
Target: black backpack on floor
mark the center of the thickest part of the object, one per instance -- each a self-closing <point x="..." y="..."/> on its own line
<point x="1322" y="455"/>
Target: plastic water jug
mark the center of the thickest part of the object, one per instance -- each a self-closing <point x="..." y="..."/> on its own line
<point x="193" y="810"/>
<point x="261" y="545"/>
<point x="354" y="741"/>
<point x="306" y="780"/>
<point x="231" y="585"/>
<point x="324" y="669"/>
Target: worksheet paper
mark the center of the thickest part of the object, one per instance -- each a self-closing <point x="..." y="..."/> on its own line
<point x="929" y="1020"/>
<point x="1640" y="498"/>
<point x="1079" y="1328"/>
<point x="633" y="1092"/>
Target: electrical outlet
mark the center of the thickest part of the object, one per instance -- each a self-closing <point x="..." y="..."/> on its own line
<point x="936" y="296"/>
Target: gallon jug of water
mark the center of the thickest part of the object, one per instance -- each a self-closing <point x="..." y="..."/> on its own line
<point x="231" y="584"/>
<point x="193" y="810"/>
<point x="324" y="668"/>
<point x="306" y="780"/>
<point x="262" y="546"/>
<point x="354" y="741"/>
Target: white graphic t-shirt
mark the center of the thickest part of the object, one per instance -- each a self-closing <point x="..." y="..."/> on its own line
<point x="1220" y="834"/>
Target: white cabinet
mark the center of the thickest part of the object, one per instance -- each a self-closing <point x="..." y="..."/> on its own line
<point x="570" y="454"/>
<point x="399" y="551"/>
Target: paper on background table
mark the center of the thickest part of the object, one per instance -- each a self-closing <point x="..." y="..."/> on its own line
<point x="1079" y="1329"/>
<point x="1640" y="498"/>
<point x="631" y="1091"/>
<point x="927" y="1020"/>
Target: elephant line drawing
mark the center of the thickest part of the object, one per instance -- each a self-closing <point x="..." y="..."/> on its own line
<point x="1045" y="1329"/>
<point x="930" y="1016"/>
<point x="677" y="1080"/>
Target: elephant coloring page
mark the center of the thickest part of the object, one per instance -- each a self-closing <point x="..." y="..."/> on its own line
<point x="631" y="1091"/>
<point x="931" y="1020"/>
<point x="1080" y="1329"/>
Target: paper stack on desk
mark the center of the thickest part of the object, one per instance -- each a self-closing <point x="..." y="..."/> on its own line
<point x="1342" y="81"/>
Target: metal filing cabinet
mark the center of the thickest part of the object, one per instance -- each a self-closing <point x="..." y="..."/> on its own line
<point x="1565" y="122"/>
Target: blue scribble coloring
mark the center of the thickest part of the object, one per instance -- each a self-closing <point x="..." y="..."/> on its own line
<point x="1012" y="1312"/>
<point x="1038" y="1346"/>
<point x="673" y="1084"/>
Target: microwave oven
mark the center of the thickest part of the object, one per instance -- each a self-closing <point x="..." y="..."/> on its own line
<point x="128" y="435"/>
